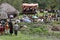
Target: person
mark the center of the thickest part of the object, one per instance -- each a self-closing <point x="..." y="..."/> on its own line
<point x="16" y="27"/>
<point x="6" y="28"/>
<point x="3" y="24"/>
<point x="1" y="29"/>
<point x="11" y="27"/>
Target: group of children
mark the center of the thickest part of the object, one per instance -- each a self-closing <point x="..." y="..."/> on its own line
<point x="8" y="28"/>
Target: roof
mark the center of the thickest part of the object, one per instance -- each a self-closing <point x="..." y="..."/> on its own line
<point x="26" y="4"/>
<point x="3" y="14"/>
<point x="8" y="8"/>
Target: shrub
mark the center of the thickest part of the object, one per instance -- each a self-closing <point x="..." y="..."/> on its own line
<point x="35" y="28"/>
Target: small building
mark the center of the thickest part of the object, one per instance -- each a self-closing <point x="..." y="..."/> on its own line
<point x="29" y="8"/>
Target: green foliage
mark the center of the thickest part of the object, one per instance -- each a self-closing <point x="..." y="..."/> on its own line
<point x="54" y="4"/>
<point x="35" y="28"/>
<point x="16" y="3"/>
<point x="21" y="36"/>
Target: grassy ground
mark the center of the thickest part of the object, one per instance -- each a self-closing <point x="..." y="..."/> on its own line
<point x="22" y="36"/>
<point x="26" y="37"/>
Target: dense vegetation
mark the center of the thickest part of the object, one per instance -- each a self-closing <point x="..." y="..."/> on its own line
<point x="34" y="28"/>
<point x="54" y="4"/>
<point x="15" y="3"/>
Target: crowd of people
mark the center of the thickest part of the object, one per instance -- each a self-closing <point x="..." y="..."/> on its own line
<point x="35" y="18"/>
<point x="7" y="27"/>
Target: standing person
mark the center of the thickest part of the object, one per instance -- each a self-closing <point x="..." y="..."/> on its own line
<point x="3" y="24"/>
<point x="16" y="27"/>
<point x="6" y="28"/>
<point x="11" y="27"/>
<point x="1" y="29"/>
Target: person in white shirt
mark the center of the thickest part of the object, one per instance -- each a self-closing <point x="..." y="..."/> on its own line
<point x="16" y="27"/>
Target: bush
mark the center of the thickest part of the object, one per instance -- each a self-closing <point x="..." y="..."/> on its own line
<point x="35" y="28"/>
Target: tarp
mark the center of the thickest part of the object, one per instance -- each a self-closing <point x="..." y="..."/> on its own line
<point x="26" y="19"/>
<point x="34" y="17"/>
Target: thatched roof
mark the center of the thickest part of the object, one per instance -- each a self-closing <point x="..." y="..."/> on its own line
<point x="5" y="9"/>
<point x="8" y="8"/>
<point x="3" y="14"/>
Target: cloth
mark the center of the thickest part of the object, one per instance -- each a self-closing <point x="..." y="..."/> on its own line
<point x="1" y="29"/>
<point x="6" y="27"/>
<point x="11" y="27"/>
<point x="34" y="17"/>
<point x="26" y="20"/>
<point x="15" y="32"/>
<point x="11" y="16"/>
<point x="16" y="27"/>
<point x="3" y="23"/>
<point x="6" y="31"/>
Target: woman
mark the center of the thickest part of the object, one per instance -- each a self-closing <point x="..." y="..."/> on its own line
<point x="6" y="28"/>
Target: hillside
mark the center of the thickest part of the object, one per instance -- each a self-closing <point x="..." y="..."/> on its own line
<point x="54" y="4"/>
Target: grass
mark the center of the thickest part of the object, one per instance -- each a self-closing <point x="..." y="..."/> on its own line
<point x="22" y="36"/>
<point x="26" y="37"/>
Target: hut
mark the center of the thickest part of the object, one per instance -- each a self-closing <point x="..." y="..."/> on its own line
<point x="29" y="8"/>
<point x="3" y="14"/>
<point x="10" y="10"/>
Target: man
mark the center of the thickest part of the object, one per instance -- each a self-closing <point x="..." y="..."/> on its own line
<point x="16" y="27"/>
<point x="11" y="27"/>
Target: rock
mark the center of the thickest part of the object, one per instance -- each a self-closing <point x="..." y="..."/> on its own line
<point x="56" y="28"/>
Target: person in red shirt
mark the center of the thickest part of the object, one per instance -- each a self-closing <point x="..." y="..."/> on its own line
<point x="6" y="28"/>
<point x="1" y="29"/>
